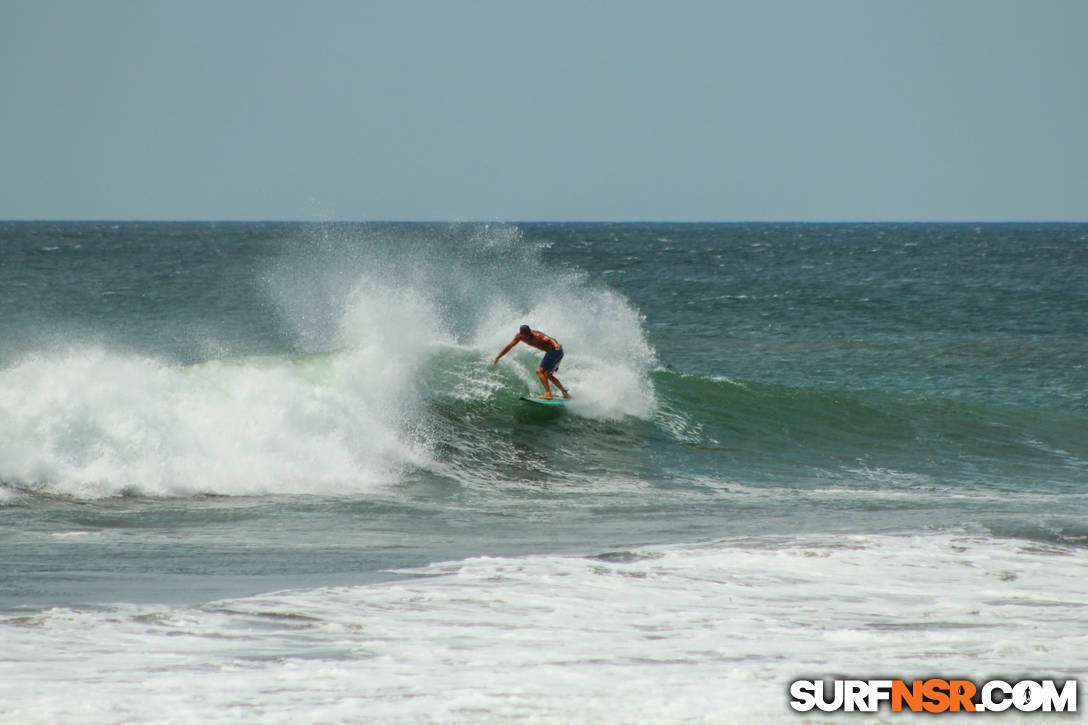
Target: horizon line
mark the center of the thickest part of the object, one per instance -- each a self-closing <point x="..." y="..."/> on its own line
<point x="137" y="220"/>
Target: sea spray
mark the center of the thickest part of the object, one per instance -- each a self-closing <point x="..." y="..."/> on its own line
<point x="469" y="287"/>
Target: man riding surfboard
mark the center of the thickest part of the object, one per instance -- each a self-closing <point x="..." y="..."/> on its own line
<point x="553" y="353"/>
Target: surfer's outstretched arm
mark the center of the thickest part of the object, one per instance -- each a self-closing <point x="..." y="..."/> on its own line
<point x="506" y="349"/>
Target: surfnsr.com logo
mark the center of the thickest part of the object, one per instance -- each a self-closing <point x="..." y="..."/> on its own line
<point x="934" y="695"/>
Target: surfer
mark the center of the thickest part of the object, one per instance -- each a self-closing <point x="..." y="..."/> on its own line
<point x="553" y="353"/>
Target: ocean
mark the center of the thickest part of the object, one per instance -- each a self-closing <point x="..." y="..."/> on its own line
<point x="267" y="472"/>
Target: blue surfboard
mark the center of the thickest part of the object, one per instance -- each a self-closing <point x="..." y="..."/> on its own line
<point x="538" y="401"/>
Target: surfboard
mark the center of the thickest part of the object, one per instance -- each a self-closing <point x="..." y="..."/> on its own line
<point x="559" y="402"/>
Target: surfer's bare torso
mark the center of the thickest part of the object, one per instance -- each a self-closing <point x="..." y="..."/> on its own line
<point x="540" y="341"/>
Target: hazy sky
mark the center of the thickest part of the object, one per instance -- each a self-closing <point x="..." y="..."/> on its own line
<point x="505" y="110"/>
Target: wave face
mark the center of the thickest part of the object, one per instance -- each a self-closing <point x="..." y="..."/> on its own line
<point x="941" y="439"/>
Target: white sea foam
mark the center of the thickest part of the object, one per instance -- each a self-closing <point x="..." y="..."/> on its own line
<point x="93" y="423"/>
<point x="711" y="632"/>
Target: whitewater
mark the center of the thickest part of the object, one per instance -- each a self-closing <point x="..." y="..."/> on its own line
<point x="267" y="472"/>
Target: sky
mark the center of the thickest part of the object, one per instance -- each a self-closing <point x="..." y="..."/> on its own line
<point x="553" y="110"/>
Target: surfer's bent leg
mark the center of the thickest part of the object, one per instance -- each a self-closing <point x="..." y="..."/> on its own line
<point x="558" y="385"/>
<point x="546" y="372"/>
<point x="544" y="375"/>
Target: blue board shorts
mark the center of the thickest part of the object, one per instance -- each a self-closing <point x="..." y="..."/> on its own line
<point x="550" y="361"/>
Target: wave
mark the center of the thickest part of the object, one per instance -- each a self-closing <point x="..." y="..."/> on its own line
<point x="864" y="429"/>
<point x="381" y="373"/>
<point x="397" y="336"/>
<point x="91" y="422"/>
